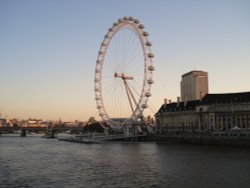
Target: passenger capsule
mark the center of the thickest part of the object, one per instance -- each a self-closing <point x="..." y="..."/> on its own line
<point x="148" y="94"/>
<point x="114" y="24"/>
<point x="149" y="43"/>
<point x="151" y="68"/>
<point x="144" y="106"/>
<point x="97" y="89"/>
<point x="141" y="26"/>
<point x="97" y="79"/>
<point x="97" y="71"/>
<point x="136" y="21"/>
<point x="125" y="18"/>
<point x="100" y="52"/>
<point x="99" y="107"/>
<point x="150" y="81"/>
<point x="120" y="20"/>
<point x="131" y="18"/>
<point x="98" y="98"/>
<point x="106" y="36"/>
<point x="150" y="55"/>
<point x="98" y="62"/>
<point x="145" y="34"/>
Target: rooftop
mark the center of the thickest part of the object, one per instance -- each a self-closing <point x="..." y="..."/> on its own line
<point x="194" y="72"/>
<point x="181" y="106"/>
<point x="218" y="98"/>
<point x="223" y="98"/>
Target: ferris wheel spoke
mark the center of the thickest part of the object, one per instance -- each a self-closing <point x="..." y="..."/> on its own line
<point x="135" y="68"/>
<point x="135" y="50"/>
<point x="133" y="55"/>
<point x="108" y="77"/>
<point x="111" y="61"/>
<point x="135" y="90"/>
<point x="112" y="98"/>
<point x="135" y="58"/>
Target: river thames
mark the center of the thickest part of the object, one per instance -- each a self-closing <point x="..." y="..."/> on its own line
<point x="37" y="162"/>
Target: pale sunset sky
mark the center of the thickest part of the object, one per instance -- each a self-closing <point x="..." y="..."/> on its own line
<point x="48" y="50"/>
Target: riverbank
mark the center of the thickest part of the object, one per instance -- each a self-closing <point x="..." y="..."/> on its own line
<point x="222" y="138"/>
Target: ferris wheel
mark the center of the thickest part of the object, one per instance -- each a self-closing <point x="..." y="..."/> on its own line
<point x="123" y="73"/>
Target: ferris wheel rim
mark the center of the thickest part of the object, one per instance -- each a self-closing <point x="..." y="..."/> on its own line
<point x="138" y="29"/>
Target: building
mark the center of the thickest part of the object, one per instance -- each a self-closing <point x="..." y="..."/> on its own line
<point x="225" y="111"/>
<point x="194" y="85"/>
<point x="177" y="116"/>
<point x="214" y="112"/>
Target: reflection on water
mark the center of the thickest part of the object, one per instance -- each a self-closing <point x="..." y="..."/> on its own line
<point x="36" y="162"/>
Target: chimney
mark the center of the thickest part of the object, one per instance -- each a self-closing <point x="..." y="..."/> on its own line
<point x="185" y="101"/>
<point x="165" y="102"/>
<point x="178" y="101"/>
<point x="169" y="101"/>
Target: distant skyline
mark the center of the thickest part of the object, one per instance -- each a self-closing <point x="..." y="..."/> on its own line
<point x="48" y="51"/>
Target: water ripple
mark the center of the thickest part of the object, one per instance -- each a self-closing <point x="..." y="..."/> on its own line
<point x="36" y="162"/>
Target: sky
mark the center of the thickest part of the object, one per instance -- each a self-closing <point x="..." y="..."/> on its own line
<point x="48" y="50"/>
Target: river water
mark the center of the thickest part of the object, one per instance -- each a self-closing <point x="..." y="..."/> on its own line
<point x="37" y="162"/>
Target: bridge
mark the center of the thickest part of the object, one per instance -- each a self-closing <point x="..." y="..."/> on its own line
<point x="24" y="130"/>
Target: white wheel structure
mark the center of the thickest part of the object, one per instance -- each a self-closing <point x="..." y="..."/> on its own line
<point x="123" y="74"/>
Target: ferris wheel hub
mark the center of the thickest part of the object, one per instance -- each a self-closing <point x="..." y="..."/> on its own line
<point x="123" y="76"/>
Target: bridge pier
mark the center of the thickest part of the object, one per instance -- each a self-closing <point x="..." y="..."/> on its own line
<point x="23" y="133"/>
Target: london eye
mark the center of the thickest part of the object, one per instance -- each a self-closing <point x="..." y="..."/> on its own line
<point x="123" y="74"/>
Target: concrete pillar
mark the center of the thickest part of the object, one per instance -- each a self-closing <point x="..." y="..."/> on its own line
<point x="246" y="121"/>
<point x="222" y="122"/>
<point x="236" y="120"/>
<point x="240" y="118"/>
<point x="226" y="117"/>
<point x="213" y="121"/>
<point x="207" y="121"/>
<point x="216" y="122"/>
<point x="23" y="133"/>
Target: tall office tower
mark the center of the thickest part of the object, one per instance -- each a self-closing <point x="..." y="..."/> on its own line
<point x="194" y="85"/>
